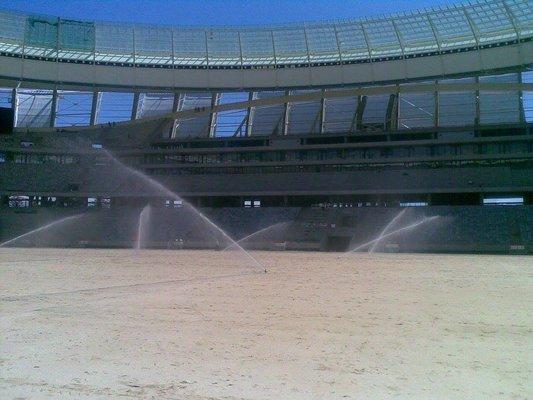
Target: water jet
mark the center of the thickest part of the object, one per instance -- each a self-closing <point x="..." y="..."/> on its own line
<point x="254" y="234"/>
<point x="144" y="218"/>
<point x="386" y="229"/>
<point x="186" y="206"/>
<point x="42" y="228"/>
<point x="411" y="226"/>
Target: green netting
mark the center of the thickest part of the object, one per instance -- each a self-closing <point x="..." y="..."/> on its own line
<point x="76" y="35"/>
<point x="42" y="31"/>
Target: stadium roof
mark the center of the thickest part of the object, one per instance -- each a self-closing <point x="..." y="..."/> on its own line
<point x="446" y="29"/>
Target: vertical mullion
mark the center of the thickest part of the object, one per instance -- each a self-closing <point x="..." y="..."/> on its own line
<point x="286" y="114"/>
<point x="512" y="18"/>
<point x="135" y="106"/>
<point x="434" y="30"/>
<point x="240" y="47"/>
<point x="176" y="106"/>
<point x="206" y="49"/>
<point x="477" y="100"/>
<point x="53" y="108"/>
<point x="95" y="108"/>
<point x="369" y="49"/>
<point x="307" y="45"/>
<point x="322" y="113"/>
<point x="249" y="116"/>
<point x="436" y="105"/>
<point x="213" y="116"/>
<point x="14" y="106"/>
<point x="521" y="101"/>
<point x="274" y="49"/>
<point x="399" y="37"/>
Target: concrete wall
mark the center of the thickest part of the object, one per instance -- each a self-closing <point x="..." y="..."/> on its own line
<point x="110" y="180"/>
<point x="479" y="229"/>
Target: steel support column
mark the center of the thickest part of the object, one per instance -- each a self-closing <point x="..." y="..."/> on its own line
<point x="250" y="116"/>
<point x="14" y="106"/>
<point x="53" y="108"/>
<point x="285" y="128"/>
<point x="213" y="116"/>
<point x="176" y="106"/>
<point x="322" y="114"/>
<point x="135" y="107"/>
<point x="95" y="108"/>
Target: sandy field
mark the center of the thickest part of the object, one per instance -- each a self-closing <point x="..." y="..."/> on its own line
<point x="119" y="324"/>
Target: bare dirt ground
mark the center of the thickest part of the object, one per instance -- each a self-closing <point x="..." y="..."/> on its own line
<point x="118" y="324"/>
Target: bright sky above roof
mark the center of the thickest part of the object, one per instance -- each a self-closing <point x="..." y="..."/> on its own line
<point x="218" y="12"/>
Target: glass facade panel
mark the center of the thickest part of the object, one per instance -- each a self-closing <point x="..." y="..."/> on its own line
<point x="453" y="29"/>
<point x="194" y="127"/>
<point x="491" y="22"/>
<point x="322" y="43"/>
<point x="382" y="38"/>
<point x="499" y="107"/>
<point x="190" y="47"/>
<point x="153" y="45"/>
<point x="154" y="104"/>
<point x="376" y="111"/>
<point x="522" y="13"/>
<point x="34" y="108"/>
<point x="352" y="42"/>
<point x="232" y="123"/>
<point x="339" y="114"/>
<point x="527" y="97"/>
<point x="416" y="110"/>
<point x="457" y="108"/>
<point x="113" y="43"/>
<point x="267" y="120"/>
<point x="73" y="108"/>
<point x="290" y="46"/>
<point x="115" y="107"/>
<point x="304" y="117"/>
<point x="416" y="34"/>
<point x="223" y="47"/>
<point x="257" y="47"/>
<point x="6" y="96"/>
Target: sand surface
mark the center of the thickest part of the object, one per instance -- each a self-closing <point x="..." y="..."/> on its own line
<point x="119" y="324"/>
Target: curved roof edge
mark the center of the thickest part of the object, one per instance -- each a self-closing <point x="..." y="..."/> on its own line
<point x="445" y="29"/>
<point x="485" y="36"/>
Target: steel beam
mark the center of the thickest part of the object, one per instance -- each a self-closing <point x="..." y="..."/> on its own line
<point x="14" y="106"/>
<point x="95" y="108"/>
<point x="135" y="106"/>
<point x="53" y="109"/>
<point x="317" y="95"/>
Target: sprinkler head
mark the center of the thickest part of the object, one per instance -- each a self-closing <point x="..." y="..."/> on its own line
<point x="265" y="270"/>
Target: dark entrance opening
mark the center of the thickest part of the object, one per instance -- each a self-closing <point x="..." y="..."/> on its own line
<point x="337" y="243"/>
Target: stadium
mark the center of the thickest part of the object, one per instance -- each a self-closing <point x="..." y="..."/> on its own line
<point x="244" y="149"/>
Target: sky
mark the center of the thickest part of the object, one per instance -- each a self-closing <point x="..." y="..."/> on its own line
<point x="217" y="12"/>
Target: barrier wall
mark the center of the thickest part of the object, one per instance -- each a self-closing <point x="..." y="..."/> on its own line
<point x="476" y="229"/>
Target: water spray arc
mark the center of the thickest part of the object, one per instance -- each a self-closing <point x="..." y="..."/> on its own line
<point x="42" y="228"/>
<point x="386" y="229"/>
<point x="144" y="218"/>
<point x="255" y="234"/>
<point x="174" y="196"/>
<point x="411" y="226"/>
